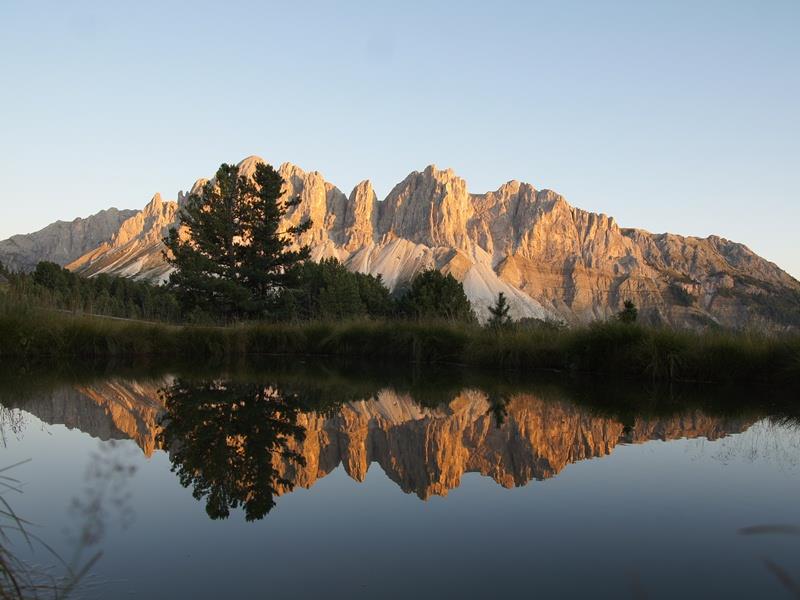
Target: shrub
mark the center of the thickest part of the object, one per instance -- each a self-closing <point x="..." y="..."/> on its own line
<point x="434" y="295"/>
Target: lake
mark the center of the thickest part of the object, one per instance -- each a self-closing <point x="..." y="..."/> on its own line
<point x="351" y="481"/>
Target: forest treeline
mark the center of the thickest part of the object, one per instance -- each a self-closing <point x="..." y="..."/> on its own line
<point x="337" y="313"/>
<point x="326" y="290"/>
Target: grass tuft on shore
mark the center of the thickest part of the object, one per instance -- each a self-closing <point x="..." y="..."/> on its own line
<point x="612" y="348"/>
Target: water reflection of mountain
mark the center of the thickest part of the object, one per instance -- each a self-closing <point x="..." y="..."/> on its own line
<point x="424" y="450"/>
<point x="113" y="409"/>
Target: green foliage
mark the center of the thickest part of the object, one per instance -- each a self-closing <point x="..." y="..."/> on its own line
<point x="499" y="312"/>
<point x="612" y="348"/>
<point x="534" y="324"/>
<point x="375" y="295"/>
<point x="629" y="313"/>
<point x="230" y="257"/>
<point x="434" y="295"/>
<point x="327" y="290"/>
<point x="53" y="286"/>
<point x="51" y="275"/>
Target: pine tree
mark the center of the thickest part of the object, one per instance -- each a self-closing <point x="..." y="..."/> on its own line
<point x="434" y="295"/>
<point x="231" y="259"/>
<point x="499" y="313"/>
<point x="328" y="290"/>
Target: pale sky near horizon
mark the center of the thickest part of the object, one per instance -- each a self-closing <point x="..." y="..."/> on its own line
<point x="680" y="116"/>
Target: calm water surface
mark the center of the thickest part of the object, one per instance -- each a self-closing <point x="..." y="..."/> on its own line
<point x="310" y="482"/>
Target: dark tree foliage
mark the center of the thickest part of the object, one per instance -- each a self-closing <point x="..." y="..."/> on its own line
<point x="499" y="312"/>
<point x="433" y="295"/>
<point x="52" y="285"/>
<point x="629" y="313"/>
<point x="52" y="276"/>
<point x="232" y="260"/>
<point x="231" y="443"/>
<point x="680" y="295"/>
<point x="375" y="295"/>
<point x="327" y="290"/>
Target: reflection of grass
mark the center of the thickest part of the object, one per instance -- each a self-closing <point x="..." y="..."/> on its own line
<point x="19" y="580"/>
<point x="609" y="348"/>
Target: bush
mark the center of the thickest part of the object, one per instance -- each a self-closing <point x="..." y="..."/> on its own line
<point x="434" y="295"/>
<point x="328" y="290"/>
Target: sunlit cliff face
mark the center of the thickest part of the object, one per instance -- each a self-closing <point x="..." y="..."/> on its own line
<point x="550" y="259"/>
<point x="267" y="443"/>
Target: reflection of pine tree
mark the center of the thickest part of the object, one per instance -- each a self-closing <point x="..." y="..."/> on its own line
<point x="498" y="408"/>
<point x="222" y="439"/>
<point x="629" y="313"/>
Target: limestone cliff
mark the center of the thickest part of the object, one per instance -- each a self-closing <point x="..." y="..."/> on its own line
<point x="62" y="242"/>
<point x="552" y="260"/>
<point x="135" y="249"/>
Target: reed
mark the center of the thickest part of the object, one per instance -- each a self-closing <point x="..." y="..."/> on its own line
<point x="609" y="348"/>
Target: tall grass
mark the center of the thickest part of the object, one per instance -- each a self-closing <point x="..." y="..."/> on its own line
<point x="609" y="348"/>
<point x="20" y="580"/>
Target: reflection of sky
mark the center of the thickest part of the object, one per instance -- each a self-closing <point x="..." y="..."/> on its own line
<point x="663" y="512"/>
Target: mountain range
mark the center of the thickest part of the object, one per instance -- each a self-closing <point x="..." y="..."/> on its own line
<point x="552" y="260"/>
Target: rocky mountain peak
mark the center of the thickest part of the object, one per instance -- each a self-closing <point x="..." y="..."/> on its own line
<point x="550" y="259"/>
<point x="442" y="175"/>
<point x="61" y="242"/>
<point x="247" y="166"/>
<point x="431" y="208"/>
<point x="197" y="186"/>
<point x="360" y="217"/>
<point x="155" y="204"/>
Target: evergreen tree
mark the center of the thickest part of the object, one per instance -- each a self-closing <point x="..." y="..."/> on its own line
<point x="328" y="290"/>
<point x="53" y="285"/>
<point x="499" y="313"/>
<point x="433" y="295"/>
<point x="230" y="257"/>
<point x="375" y="295"/>
<point x="629" y="313"/>
<point x="52" y="276"/>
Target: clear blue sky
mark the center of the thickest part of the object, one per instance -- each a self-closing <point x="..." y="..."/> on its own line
<point x="679" y="116"/>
